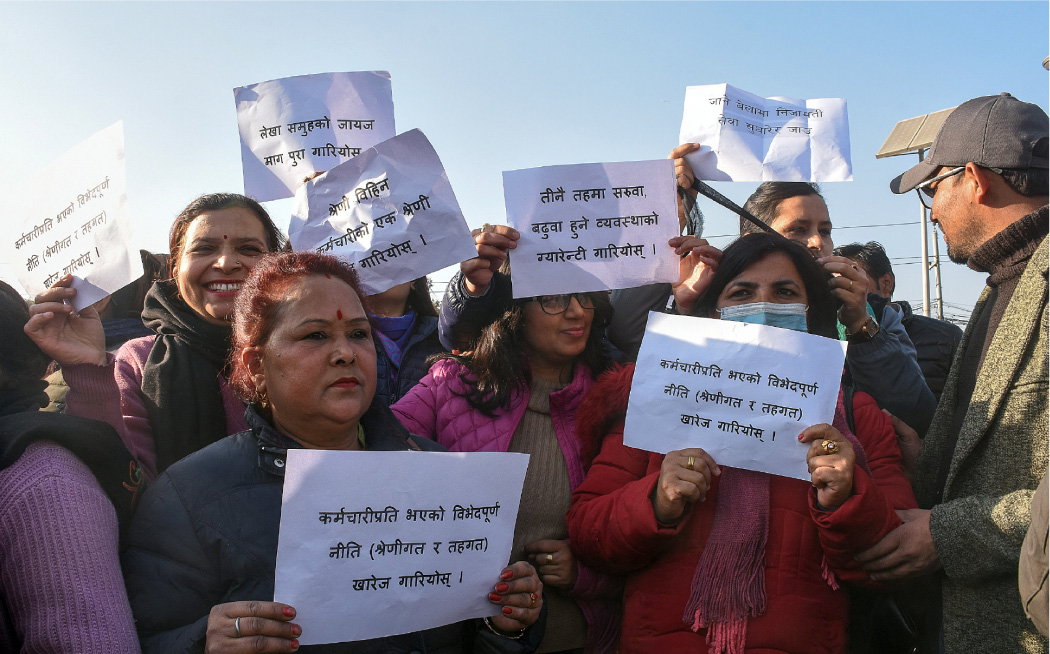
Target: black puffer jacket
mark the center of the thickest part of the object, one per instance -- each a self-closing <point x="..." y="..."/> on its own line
<point x="206" y="532"/>
<point x="421" y="345"/>
<point x="935" y="344"/>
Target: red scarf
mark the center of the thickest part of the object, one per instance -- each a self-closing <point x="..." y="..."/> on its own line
<point x="729" y="584"/>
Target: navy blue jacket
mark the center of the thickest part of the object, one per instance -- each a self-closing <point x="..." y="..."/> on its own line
<point x="421" y="345"/>
<point x="206" y="533"/>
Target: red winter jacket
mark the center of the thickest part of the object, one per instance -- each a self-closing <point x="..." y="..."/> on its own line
<point x="612" y="527"/>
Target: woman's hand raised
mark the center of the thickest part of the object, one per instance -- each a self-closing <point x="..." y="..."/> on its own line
<point x="699" y="261"/>
<point x="493" y="243"/>
<point x="67" y="337"/>
<point x="251" y="628"/>
<point x="830" y="460"/>
<point x="519" y="593"/>
<point x="685" y="478"/>
<point x="849" y="284"/>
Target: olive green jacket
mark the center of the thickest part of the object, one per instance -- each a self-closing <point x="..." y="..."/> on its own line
<point x="999" y="459"/>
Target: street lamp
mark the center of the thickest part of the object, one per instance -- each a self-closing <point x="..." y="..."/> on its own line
<point x="916" y="135"/>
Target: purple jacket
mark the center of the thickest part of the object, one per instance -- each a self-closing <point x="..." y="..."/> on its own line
<point x="60" y="581"/>
<point x="113" y="394"/>
<point x="436" y="409"/>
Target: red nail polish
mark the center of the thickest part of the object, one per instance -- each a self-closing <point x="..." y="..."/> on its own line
<point x="295" y="644"/>
<point x="495" y="597"/>
<point x="502" y="588"/>
<point x="296" y="630"/>
<point x="507" y="574"/>
<point x="289" y="611"/>
<point x="507" y="610"/>
<point x="800" y="438"/>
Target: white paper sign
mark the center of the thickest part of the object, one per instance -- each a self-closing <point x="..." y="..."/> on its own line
<point x="295" y="126"/>
<point x="747" y="138"/>
<point x="592" y="227"/>
<point x="73" y="218"/>
<point x="416" y="540"/>
<point x="390" y="212"/>
<point x="742" y="392"/>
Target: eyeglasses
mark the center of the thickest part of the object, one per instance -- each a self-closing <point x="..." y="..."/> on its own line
<point x="552" y="305"/>
<point x="928" y="189"/>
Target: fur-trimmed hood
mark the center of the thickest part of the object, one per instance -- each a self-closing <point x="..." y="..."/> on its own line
<point x="602" y="408"/>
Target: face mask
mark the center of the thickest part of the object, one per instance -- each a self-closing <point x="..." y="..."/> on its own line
<point x="785" y="316"/>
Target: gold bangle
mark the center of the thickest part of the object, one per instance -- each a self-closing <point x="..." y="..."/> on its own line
<point x="500" y="633"/>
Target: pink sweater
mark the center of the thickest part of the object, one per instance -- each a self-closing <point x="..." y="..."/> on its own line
<point x="436" y="409"/>
<point x="60" y="581"/>
<point x="113" y="394"/>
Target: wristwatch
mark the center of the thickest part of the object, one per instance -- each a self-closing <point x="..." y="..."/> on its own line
<point x="866" y="332"/>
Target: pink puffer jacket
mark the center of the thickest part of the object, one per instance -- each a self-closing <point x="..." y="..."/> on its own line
<point x="436" y="409"/>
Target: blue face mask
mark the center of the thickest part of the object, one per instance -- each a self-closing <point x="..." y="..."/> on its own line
<point x="785" y="316"/>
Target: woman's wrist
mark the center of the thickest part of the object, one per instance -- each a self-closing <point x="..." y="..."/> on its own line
<point x="500" y="632"/>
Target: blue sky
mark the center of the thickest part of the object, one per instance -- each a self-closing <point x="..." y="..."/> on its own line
<point x="501" y="86"/>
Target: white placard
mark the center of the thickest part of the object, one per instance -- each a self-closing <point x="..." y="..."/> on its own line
<point x="399" y="549"/>
<point x="592" y="227"/>
<point x="748" y="138"/>
<point x="390" y="212"/>
<point x="73" y="218"/>
<point x="295" y="126"/>
<point x="740" y="391"/>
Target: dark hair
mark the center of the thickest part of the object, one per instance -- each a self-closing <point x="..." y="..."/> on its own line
<point x="217" y="202"/>
<point x="419" y="299"/>
<point x="764" y="203"/>
<point x="870" y="255"/>
<point x="261" y="302"/>
<point x="1031" y="183"/>
<point x="499" y="364"/>
<point x="748" y="249"/>
<point x="20" y="359"/>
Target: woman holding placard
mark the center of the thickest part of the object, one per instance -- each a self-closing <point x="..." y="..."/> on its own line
<point x="727" y="560"/>
<point x="166" y="395"/>
<point x="203" y="544"/>
<point x="518" y="391"/>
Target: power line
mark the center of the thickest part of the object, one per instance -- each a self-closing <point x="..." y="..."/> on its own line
<point x="912" y="222"/>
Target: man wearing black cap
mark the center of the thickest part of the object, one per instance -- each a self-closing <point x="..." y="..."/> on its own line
<point x="986" y="451"/>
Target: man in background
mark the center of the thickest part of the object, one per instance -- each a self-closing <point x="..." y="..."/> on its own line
<point x="935" y="340"/>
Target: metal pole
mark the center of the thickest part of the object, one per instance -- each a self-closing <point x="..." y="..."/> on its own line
<point x="937" y="273"/>
<point x="925" y="253"/>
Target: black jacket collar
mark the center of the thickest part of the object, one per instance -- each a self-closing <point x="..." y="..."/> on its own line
<point x="383" y="433"/>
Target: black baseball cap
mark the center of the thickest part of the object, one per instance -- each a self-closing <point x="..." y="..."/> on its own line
<point x="992" y="131"/>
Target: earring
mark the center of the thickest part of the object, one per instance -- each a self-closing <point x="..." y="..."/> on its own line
<point x="264" y="401"/>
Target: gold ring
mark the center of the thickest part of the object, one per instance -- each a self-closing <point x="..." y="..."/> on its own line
<point x="532" y="596"/>
<point x="829" y="447"/>
<point x="550" y="558"/>
<point x="690" y="462"/>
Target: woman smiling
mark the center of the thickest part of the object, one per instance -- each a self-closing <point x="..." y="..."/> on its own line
<point x="166" y="395"/>
<point x="203" y="545"/>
